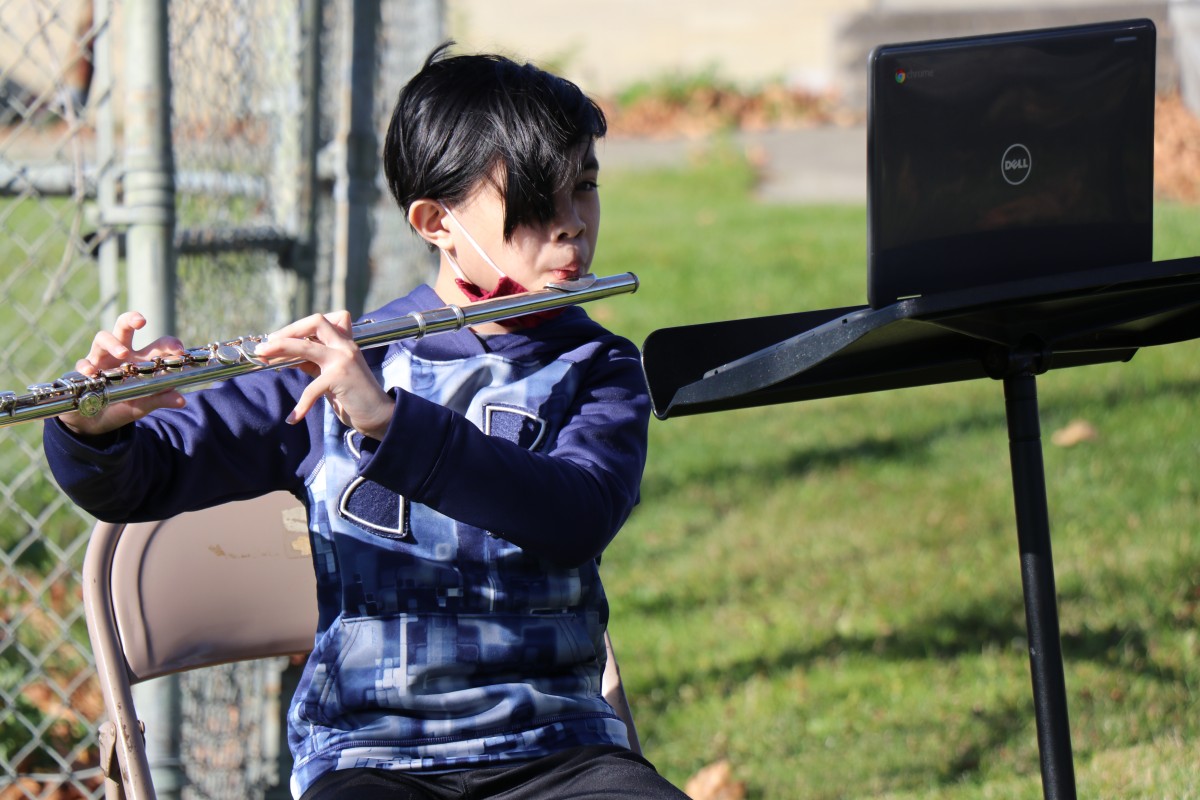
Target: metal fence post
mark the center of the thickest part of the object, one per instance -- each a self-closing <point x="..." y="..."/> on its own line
<point x="304" y="262"/>
<point x="355" y="145"/>
<point x="149" y="210"/>
<point x="149" y="178"/>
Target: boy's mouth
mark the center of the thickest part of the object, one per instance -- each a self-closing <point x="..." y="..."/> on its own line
<point x="567" y="273"/>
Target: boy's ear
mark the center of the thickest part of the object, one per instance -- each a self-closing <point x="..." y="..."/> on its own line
<point x="428" y="219"/>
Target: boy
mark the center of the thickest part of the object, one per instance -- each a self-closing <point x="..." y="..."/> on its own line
<point x="460" y="488"/>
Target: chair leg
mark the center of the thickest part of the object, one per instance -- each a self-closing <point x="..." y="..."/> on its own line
<point x="110" y="766"/>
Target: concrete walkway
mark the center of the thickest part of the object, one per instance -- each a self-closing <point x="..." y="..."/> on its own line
<point x="813" y="165"/>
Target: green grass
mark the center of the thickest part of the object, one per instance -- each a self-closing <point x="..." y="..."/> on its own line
<point x="828" y="593"/>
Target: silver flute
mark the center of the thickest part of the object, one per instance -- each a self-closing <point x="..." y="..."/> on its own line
<point x="90" y="394"/>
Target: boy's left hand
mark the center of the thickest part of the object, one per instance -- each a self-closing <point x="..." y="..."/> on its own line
<point x="325" y="346"/>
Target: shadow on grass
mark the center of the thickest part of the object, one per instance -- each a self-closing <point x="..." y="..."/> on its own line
<point x="985" y="624"/>
<point x="980" y="625"/>
<point x="906" y="448"/>
<point x="911" y="448"/>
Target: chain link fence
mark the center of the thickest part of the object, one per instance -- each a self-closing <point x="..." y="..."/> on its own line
<point x="258" y="137"/>
<point x="52" y="292"/>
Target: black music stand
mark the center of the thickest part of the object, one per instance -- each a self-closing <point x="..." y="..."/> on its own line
<point x="1010" y="332"/>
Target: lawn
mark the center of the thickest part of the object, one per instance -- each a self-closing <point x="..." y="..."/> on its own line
<point x="827" y="594"/>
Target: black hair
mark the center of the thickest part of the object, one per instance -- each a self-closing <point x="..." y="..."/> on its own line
<point x="465" y="118"/>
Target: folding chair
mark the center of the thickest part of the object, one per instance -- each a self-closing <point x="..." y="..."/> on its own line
<point x="229" y="583"/>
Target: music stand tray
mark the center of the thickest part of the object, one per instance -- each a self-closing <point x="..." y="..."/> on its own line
<point x="1010" y="332"/>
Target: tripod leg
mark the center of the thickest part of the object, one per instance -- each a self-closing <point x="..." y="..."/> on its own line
<point x="1037" y="579"/>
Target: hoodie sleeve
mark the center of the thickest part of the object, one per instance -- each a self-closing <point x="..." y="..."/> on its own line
<point x="230" y="442"/>
<point x="565" y="505"/>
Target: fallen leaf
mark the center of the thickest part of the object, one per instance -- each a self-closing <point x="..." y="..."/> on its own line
<point x="1076" y="431"/>
<point x="715" y="782"/>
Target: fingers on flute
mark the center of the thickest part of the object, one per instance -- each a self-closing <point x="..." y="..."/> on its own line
<point x="140" y="407"/>
<point x="115" y="347"/>
<point x="308" y="398"/>
<point x="107" y="349"/>
<point x="121" y="414"/>
<point x="340" y="320"/>
<point x="127" y="324"/>
<point x="289" y="348"/>
<point x="171" y="398"/>
<point x="310" y="339"/>
<point x="300" y="329"/>
<point x="328" y="328"/>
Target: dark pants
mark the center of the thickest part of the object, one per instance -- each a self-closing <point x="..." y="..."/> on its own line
<point x="585" y="773"/>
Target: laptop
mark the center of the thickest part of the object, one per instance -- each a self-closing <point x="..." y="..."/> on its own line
<point x="1007" y="157"/>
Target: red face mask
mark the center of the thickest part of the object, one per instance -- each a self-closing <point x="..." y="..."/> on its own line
<point x="505" y="287"/>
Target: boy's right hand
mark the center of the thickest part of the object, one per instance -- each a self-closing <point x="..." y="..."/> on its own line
<point x="110" y="350"/>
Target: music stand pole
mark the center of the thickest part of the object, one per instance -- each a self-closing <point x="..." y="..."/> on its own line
<point x="1037" y="578"/>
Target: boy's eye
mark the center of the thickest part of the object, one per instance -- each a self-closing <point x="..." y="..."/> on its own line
<point x="587" y="185"/>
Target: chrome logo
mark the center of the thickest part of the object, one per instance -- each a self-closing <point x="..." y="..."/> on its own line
<point x="901" y="75"/>
<point x="1016" y="164"/>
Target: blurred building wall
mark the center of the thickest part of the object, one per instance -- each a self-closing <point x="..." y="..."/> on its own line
<point x="816" y="44"/>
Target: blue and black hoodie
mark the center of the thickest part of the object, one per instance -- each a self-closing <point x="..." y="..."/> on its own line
<point x="461" y="610"/>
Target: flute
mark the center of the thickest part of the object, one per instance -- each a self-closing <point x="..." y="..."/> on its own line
<point x="218" y="361"/>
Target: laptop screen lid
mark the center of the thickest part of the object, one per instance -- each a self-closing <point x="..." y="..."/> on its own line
<point x="1002" y="158"/>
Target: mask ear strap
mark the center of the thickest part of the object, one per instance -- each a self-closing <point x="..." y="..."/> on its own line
<point x="472" y="242"/>
<point x="454" y="266"/>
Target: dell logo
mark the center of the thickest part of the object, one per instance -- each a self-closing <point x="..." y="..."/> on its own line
<point x="1016" y="164"/>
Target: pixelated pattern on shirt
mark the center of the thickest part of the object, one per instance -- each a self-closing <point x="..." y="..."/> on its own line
<point x="441" y="645"/>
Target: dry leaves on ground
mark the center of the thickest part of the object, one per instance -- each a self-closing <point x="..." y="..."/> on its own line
<point x="707" y="110"/>
<point x="1076" y="432"/>
<point x="1176" y="151"/>
<point x="715" y="782"/>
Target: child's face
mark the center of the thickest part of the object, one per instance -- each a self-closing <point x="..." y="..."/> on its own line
<point x="535" y="255"/>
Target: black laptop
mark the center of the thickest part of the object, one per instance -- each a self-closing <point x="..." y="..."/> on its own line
<point x="1007" y="157"/>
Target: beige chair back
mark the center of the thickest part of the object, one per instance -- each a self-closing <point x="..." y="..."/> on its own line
<point x="229" y="583"/>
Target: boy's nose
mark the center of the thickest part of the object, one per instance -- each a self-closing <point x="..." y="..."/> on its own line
<point x="569" y="223"/>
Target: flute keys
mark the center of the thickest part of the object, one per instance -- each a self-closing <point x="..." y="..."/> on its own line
<point x="41" y="392"/>
<point x="249" y="349"/>
<point x="228" y="354"/>
<point x="90" y="394"/>
<point x="92" y="403"/>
